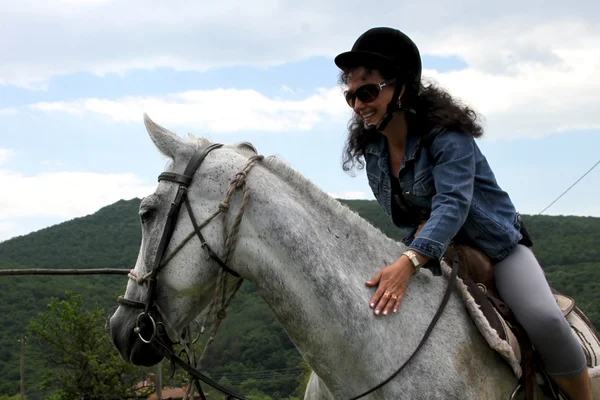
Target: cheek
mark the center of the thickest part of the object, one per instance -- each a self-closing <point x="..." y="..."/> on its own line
<point x="381" y="105"/>
<point x="384" y="99"/>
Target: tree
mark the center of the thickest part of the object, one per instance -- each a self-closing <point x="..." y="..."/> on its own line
<point x="83" y="363"/>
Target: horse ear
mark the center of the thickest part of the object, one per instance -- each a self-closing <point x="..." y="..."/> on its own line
<point x="168" y="143"/>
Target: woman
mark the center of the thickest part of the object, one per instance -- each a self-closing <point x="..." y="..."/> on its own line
<point x="429" y="175"/>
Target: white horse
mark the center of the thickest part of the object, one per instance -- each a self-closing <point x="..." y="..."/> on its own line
<point x="308" y="256"/>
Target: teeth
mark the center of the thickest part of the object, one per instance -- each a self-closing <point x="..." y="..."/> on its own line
<point x="369" y="115"/>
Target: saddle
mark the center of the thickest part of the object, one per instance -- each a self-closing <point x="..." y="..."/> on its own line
<point x="503" y="333"/>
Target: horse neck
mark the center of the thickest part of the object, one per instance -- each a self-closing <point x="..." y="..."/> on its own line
<point x="309" y="257"/>
<point x="321" y="236"/>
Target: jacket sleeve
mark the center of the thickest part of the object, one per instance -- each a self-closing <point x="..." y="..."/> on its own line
<point x="453" y="157"/>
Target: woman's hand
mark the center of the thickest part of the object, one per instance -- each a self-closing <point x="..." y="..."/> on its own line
<point x="393" y="281"/>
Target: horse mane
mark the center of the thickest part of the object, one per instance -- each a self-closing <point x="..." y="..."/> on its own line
<point x="318" y="196"/>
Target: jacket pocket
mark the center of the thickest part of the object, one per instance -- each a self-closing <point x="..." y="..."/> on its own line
<point x="424" y="185"/>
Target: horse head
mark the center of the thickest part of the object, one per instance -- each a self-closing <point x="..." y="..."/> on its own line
<point x="183" y="252"/>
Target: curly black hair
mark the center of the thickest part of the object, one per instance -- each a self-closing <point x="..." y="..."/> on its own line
<point x="433" y="106"/>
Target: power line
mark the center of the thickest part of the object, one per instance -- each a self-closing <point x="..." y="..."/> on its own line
<point x="570" y="187"/>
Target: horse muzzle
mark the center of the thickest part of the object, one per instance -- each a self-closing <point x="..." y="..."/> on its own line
<point x="140" y="338"/>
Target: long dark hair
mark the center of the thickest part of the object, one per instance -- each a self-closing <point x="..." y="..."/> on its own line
<point x="433" y="106"/>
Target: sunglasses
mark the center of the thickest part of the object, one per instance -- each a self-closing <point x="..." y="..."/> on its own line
<point x="366" y="93"/>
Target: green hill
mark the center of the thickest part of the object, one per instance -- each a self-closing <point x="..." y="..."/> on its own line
<point x="250" y="344"/>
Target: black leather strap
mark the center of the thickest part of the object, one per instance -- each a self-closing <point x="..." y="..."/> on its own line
<point x="198" y="157"/>
<point x="130" y="303"/>
<point x="197" y="374"/>
<point x="204" y="244"/>
<point x="434" y="321"/>
<point x="177" y="178"/>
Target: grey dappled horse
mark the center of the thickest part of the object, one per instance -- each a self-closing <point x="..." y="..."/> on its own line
<point x="308" y="256"/>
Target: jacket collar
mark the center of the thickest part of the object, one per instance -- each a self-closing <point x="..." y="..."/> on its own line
<point x="378" y="146"/>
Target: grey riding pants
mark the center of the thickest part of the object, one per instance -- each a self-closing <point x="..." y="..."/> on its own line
<point x="522" y="285"/>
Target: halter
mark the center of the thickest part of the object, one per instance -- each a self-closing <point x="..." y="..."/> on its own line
<point x="160" y="261"/>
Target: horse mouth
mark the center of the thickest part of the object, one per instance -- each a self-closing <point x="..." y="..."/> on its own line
<point x="146" y="355"/>
<point x="136" y="351"/>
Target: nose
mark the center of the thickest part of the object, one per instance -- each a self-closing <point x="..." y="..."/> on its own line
<point x="127" y="341"/>
<point x="358" y="105"/>
<point x="117" y="328"/>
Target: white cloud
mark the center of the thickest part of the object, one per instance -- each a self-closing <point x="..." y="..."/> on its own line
<point x="5" y="227"/>
<point x="534" y="102"/>
<point x="220" y="110"/>
<point x="58" y="106"/>
<point x="54" y="37"/>
<point x="52" y="164"/>
<point x="582" y="212"/>
<point x="351" y="195"/>
<point x="6" y="155"/>
<point x="8" y="111"/>
<point x="64" y="194"/>
<point x="538" y="82"/>
<point x="531" y="70"/>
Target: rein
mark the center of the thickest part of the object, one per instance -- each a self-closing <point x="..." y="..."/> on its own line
<point x="160" y="261"/>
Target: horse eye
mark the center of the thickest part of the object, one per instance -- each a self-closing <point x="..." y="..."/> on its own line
<point x="145" y="215"/>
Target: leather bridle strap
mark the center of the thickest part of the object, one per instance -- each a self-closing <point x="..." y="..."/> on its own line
<point x="184" y="181"/>
<point x="164" y="241"/>
<point x="434" y="321"/>
<point x="203" y="242"/>
<point x="198" y="375"/>
<point x="130" y="303"/>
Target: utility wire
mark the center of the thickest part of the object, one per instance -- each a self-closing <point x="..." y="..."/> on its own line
<point x="570" y="187"/>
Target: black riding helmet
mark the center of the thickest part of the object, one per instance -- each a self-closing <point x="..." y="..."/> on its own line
<point x="387" y="49"/>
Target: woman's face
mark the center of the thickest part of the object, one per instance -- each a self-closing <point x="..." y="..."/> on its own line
<point x="374" y="97"/>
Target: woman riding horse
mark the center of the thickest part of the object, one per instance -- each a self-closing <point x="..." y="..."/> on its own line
<point x="428" y="174"/>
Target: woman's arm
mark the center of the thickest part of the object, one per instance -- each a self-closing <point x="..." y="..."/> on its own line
<point x="454" y="173"/>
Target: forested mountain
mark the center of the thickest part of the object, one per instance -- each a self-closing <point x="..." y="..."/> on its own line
<point x="251" y="350"/>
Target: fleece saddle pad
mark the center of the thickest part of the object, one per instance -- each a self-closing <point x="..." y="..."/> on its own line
<point x="510" y="349"/>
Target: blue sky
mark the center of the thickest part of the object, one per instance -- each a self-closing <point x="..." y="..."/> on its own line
<point x="77" y="76"/>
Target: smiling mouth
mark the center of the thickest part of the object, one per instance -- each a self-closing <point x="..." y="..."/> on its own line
<point x="369" y="115"/>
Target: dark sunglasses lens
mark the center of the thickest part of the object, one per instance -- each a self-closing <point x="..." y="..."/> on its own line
<point x="350" y="98"/>
<point x="367" y="93"/>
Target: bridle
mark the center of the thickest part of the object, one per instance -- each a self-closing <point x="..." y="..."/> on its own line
<point x="160" y="261"/>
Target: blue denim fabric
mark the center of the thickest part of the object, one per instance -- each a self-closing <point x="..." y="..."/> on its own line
<point x="452" y="181"/>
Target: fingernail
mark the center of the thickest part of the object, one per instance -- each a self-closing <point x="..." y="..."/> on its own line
<point x="385" y="312"/>
<point x="396" y="310"/>
<point x="376" y="312"/>
<point x="372" y="305"/>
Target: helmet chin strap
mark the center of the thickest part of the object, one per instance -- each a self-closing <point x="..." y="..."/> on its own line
<point x="387" y="117"/>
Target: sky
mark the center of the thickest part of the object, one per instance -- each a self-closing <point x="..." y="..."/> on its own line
<point x="76" y="77"/>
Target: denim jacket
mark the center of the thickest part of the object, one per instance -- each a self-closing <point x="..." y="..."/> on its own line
<point x="448" y="182"/>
